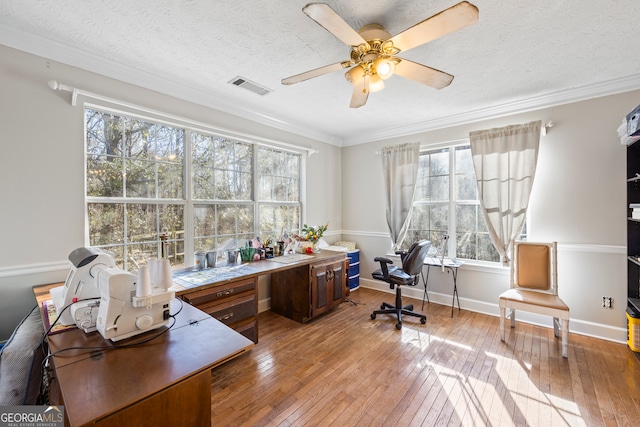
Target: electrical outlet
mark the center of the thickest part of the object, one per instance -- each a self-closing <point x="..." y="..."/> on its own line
<point x="607" y="302"/>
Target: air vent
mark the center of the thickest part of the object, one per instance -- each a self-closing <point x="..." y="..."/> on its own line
<point x="249" y="85"/>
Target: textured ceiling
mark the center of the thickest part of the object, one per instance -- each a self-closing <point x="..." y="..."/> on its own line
<point x="521" y="54"/>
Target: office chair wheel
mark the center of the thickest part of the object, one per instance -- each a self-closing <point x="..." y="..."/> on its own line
<point x="382" y="307"/>
<point x="373" y="316"/>
<point x="423" y="321"/>
<point x="398" y="326"/>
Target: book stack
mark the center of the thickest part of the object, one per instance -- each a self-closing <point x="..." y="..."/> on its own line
<point x="635" y="210"/>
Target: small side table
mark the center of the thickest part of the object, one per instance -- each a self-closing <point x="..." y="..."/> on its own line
<point x="445" y="264"/>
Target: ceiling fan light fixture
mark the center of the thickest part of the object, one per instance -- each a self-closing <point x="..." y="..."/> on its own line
<point x="384" y="67"/>
<point x="354" y="75"/>
<point x="376" y="84"/>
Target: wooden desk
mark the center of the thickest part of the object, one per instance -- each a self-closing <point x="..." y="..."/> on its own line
<point x="166" y="381"/>
<point x="302" y="286"/>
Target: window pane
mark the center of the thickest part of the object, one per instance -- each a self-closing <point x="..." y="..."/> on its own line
<point x="106" y="223"/>
<point x="276" y="220"/>
<point x="170" y="184"/>
<point x="279" y="175"/>
<point x="433" y="176"/>
<point x="466" y="188"/>
<point x="222" y="169"/>
<point x="428" y="221"/>
<point x="465" y="176"/>
<point x="439" y="188"/>
<point x="204" y="220"/>
<point x="104" y="133"/>
<point x="265" y="188"/>
<point x="486" y="250"/>
<point x="104" y="176"/>
<point x="245" y="219"/>
<point x="439" y="163"/>
<point x="169" y="144"/>
<point x="140" y="179"/>
<point x="466" y="218"/>
<point x="142" y="222"/>
<point x="464" y="161"/>
<point x="466" y="245"/>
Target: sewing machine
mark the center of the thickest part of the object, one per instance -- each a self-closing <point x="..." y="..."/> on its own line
<point x="81" y="286"/>
<point x="99" y="296"/>
<point x="123" y="312"/>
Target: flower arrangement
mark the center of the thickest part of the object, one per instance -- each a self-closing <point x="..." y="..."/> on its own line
<point x="313" y="233"/>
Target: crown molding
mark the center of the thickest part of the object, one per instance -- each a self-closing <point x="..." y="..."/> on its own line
<point x="50" y="49"/>
<point x="624" y="84"/>
<point x="88" y="61"/>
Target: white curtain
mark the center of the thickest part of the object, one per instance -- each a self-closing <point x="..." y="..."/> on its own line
<point x="505" y="160"/>
<point x="400" y="167"/>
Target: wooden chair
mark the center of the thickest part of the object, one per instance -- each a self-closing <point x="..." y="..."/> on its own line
<point x="534" y="288"/>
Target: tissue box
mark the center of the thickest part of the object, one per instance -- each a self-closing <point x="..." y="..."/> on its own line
<point x="351" y="246"/>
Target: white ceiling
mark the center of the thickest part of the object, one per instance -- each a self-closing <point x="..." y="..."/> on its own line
<point x="521" y="55"/>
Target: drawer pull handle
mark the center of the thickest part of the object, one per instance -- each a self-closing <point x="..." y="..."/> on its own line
<point x="226" y="317"/>
<point x="223" y="293"/>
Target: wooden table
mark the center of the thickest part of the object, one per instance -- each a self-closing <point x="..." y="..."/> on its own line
<point x="166" y="381"/>
<point x="303" y="286"/>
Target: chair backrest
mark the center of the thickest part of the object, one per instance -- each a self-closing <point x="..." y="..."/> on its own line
<point x="534" y="266"/>
<point x="413" y="261"/>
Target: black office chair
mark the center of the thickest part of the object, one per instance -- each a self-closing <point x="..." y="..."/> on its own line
<point x="408" y="275"/>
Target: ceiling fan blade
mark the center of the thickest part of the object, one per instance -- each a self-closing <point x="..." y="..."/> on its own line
<point x="332" y="22"/>
<point x="316" y="73"/>
<point x="423" y="74"/>
<point x="360" y="93"/>
<point x="449" y="20"/>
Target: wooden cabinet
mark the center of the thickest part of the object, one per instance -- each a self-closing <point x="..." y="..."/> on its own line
<point x="327" y="286"/>
<point x="233" y="303"/>
<point x="304" y="292"/>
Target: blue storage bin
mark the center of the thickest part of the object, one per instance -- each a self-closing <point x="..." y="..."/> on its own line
<point x="354" y="269"/>
<point x="354" y="282"/>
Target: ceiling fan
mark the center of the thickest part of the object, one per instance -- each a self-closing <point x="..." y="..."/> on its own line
<point x="373" y="50"/>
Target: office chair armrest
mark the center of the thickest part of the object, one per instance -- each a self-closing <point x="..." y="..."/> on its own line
<point x="383" y="266"/>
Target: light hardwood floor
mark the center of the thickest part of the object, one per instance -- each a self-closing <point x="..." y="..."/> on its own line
<point x="344" y="369"/>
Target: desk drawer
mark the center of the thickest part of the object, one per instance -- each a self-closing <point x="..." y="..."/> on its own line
<point x="227" y="290"/>
<point x="248" y="328"/>
<point x="232" y="311"/>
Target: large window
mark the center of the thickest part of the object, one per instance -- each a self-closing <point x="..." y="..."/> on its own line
<point x="145" y="179"/>
<point x="446" y="203"/>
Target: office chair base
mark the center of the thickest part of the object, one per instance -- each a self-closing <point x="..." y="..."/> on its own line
<point x="407" y="310"/>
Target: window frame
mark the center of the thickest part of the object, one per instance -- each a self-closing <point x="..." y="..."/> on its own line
<point x="452" y="203"/>
<point x="188" y="201"/>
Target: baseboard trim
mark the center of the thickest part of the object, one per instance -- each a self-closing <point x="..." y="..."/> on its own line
<point x="577" y="326"/>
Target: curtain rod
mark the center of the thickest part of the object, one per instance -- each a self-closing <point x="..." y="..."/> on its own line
<point x="75" y="92"/>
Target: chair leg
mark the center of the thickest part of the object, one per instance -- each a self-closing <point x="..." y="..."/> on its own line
<point x="503" y="313"/>
<point x="565" y="337"/>
<point x="399" y="310"/>
<point x="512" y="315"/>
<point x="556" y="327"/>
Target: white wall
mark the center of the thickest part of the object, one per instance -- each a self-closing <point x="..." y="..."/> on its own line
<point x="578" y="199"/>
<point x="41" y="170"/>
